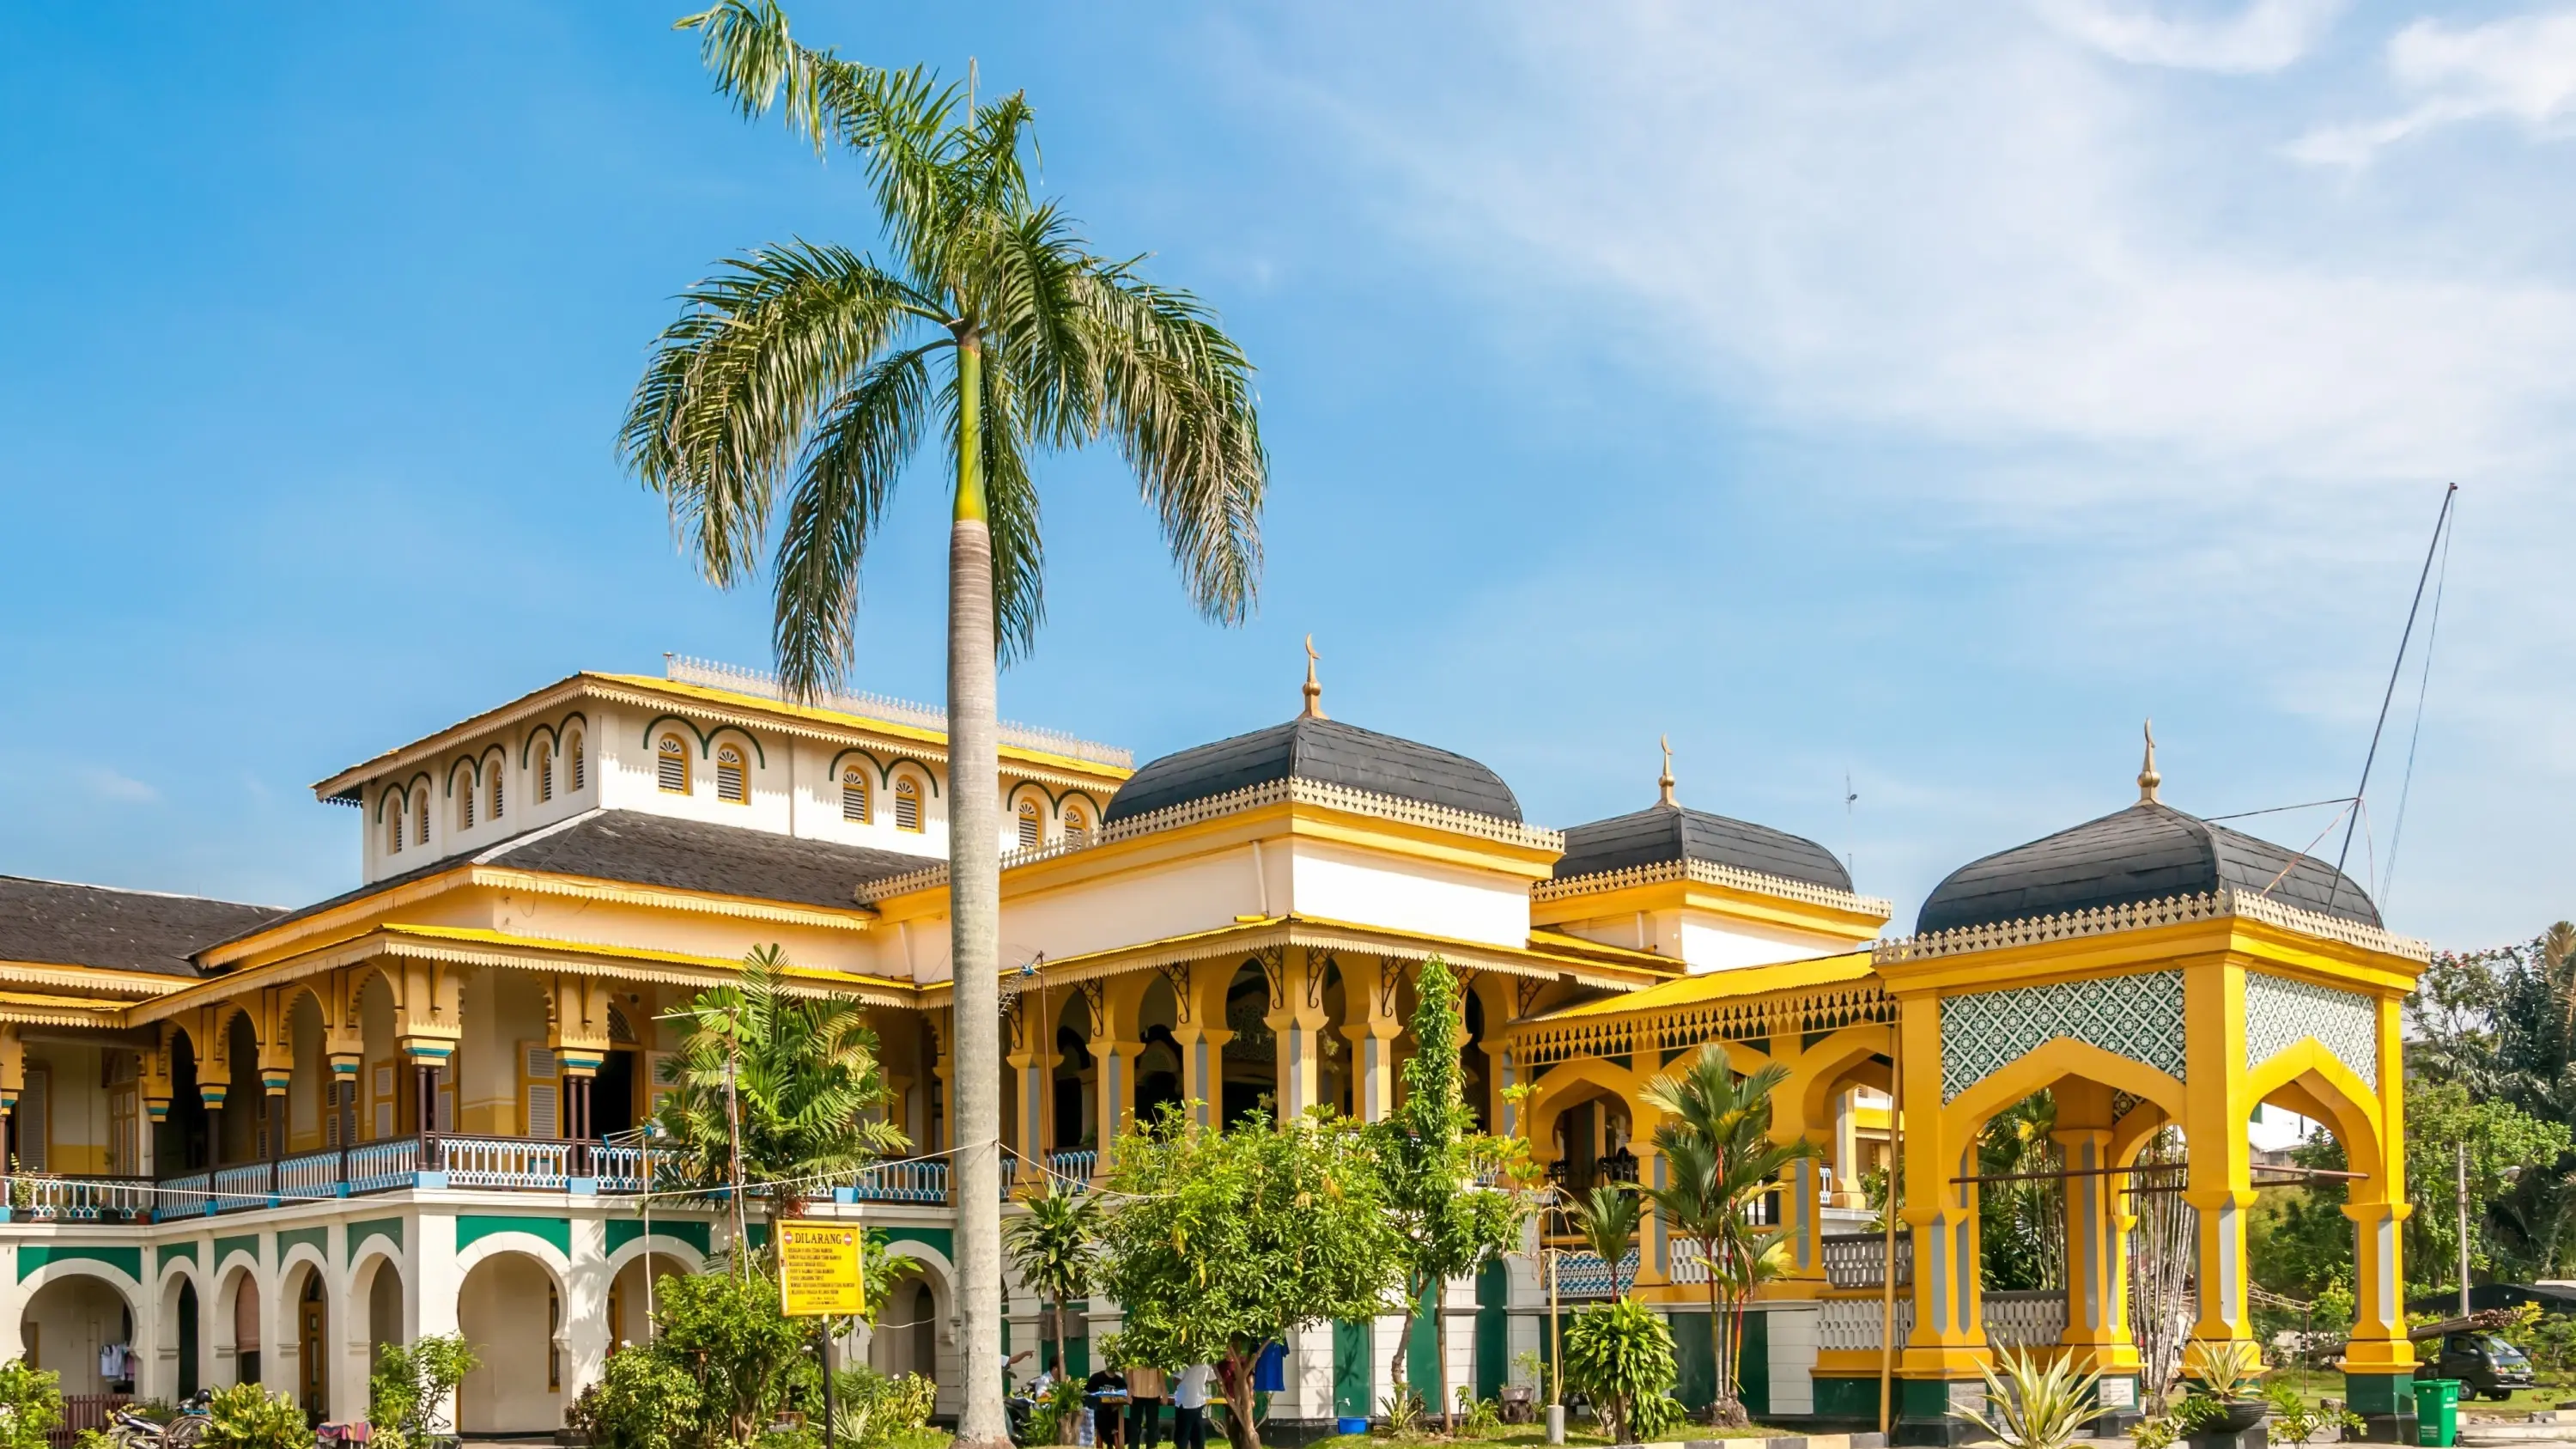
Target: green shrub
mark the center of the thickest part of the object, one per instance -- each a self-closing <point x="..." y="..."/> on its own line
<point x="1620" y="1355"/>
<point x="245" y="1416"/>
<point x="411" y="1387"/>
<point x="641" y="1400"/>
<point x="871" y="1408"/>
<point x="31" y="1404"/>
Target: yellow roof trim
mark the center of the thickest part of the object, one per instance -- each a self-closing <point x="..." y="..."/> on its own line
<point x="52" y="973"/>
<point x="1709" y="986"/>
<point x="486" y="936"/>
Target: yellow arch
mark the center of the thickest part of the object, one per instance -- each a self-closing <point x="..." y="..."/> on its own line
<point x="2312" y="1081"/>
<point x="2046" y="1063"/>
<point x="1819" y="1070"/>
<point x="1558" y="1091"/>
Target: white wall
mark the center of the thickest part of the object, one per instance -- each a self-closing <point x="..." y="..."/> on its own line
<point x="1406" y="893"/>
<point x="501" y="1309"/>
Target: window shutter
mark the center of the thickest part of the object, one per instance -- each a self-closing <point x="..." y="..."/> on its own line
<point x="538" y="1074"/>
<point x="854" y="797"/>
<point x="497" y="804"/>
<point x="671" y="766"/>
<point x="384" y="1103"/>
<point x="33" y="1120"/>
<point x="907" y="805"/>
<point x="732" y="784"/>
<point x="545" y="775"/>
<point x="1031" y="831"/>
<point x="578" y="771"/>
<point x="465" y="808"/>
<point x="420" y="813"/>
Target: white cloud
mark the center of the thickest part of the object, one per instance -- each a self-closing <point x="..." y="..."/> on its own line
<point x="2522" y="68"/>
<point x="107" y="784"/>
<point x="2266" y="35"/>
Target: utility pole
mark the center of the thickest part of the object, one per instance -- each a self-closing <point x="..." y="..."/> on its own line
<point x="733" y="1137"/>
<point x="2464" y="1228"/>
<point x="1556" y="1353"/>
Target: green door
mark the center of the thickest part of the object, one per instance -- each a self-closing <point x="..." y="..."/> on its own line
<point x="1354" y="1344"/>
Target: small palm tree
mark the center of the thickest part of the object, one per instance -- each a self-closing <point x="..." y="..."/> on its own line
<point x="2035" y="1403"/>
<point x="1055" y="1246"/>
<point x="1607" y="1218"/>
<point x="1719" y="1157"/>
<point x="784" y="1083"/>
<point x="989" y="332"/>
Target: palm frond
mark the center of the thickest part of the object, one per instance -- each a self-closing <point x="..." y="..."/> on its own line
<point x="757" y="351"/>
<point x="850" y="470"/>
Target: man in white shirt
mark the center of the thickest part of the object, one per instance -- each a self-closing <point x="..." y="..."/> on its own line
<point x="1189" y="1407"/>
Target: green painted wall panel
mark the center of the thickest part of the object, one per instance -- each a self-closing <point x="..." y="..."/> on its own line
<point x="942" y="1241"/>
<point x="473" y="1227"/>
<point x="1847" y="1398"/>
<point x="1354" y="1346"/>
<point x="226" y="1247"/>
<point x="698" y="1235"/>
<point x="1695" y="1373"/>
<point x="316" y="1237"/>
<point x="1422" y="1351"/>
<point x="169" y="1253"/>
<point x="126" y="1260"/>
<point x="388" y="1228"/>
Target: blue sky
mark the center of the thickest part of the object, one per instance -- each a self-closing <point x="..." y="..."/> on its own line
<point x="1926" y="394"/>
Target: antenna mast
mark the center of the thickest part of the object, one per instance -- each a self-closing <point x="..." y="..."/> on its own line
<point x="2441" y="520"/>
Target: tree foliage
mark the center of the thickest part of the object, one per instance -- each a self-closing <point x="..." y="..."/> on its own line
<point x="413" y="1383"/>
<point x="1055" y="1246"/>
<point x="1606" y="1218"/>
<point x="803" y="1072"/>
<point x="1718" y="1156"/>
<point x="31" y="1405"/>
<point x="2021" y="1226"/>
<point x="1446" y="1183"/>
<point x="740" y="1353"/>
<point x="247" y="1416"/>
<point x="1229" y="1240"/>
<point x="1620" y="1355"/>
<point x="2501" y="1025"/>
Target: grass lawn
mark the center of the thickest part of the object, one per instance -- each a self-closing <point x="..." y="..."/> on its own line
<point x="2315" y="1384"/>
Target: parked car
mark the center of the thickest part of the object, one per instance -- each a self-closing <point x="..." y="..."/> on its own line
<point x="2483" y="1363"/>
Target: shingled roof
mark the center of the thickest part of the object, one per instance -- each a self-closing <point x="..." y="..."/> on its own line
<point x="58" y="923"/>
<point x="1312" y="747"/>
<point x="1662" y="833"/>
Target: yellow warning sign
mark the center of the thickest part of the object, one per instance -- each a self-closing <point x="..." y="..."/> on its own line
<point x="818" y="1269"/>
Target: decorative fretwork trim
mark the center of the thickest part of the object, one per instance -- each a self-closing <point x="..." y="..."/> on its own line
<point x="1710" y="872"/>
<point x="2145" y="915"/>
<point x="1253" y="797"/>
<point x="1783" y="1013"/>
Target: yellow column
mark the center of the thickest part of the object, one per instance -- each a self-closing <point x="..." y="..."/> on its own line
<point x="1946" y="1348"/>
<point x="2097" y="1319"/>
<point x="1654" y="1244"/>
<point x="1801" y="1186"/>
<point x="1368" y="1001"/>
<point x="1199" y="991"/>
<point x="1115" y="1047"/>
<point x="1296" y="1016"/>
<point x="2219" y="1183"/>
<point x="2378" y="1361"/>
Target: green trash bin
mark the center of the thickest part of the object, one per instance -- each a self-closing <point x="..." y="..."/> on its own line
<point x="2437" y="1412"/>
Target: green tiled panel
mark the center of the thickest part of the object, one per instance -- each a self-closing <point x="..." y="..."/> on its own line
<point x="226" y="1247"/>
<point x="315" y="1237"/>
<point x="33" y="1256"/>
<point x="390" y="1228"/>
<point x="622" y="1231"/>
<point x="472" y="1227"/>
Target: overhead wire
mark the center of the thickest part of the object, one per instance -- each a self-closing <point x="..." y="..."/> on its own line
<point x="2432" y="636"/>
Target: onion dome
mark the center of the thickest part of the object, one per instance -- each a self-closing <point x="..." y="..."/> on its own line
<point x="2148" y="852"/>
<point x="1665" y="832"/>
<point x="1314" y="747"/>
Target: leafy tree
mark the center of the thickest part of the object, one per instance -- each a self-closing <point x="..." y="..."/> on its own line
<point x="1443" y="1178"/>
<point x="880" y="1269"/>
<point x="989" y="325"/>
<point x="641" y="1400"/>
<point x="800" y="1070"/>
<point x="742" y="1354"/>
<point x="2502" y="1024"/>
<point x="1607" y="1219"/>
<point x="1718" y="1156"/>
<point x="1620" y="1355"/>
<point x="412" y="1385"/>
<point x="1232" y="1239"/>
<point x="1055" y="1245"/>
<point x="2021" y="1226"/>
<point x="31" y="1405"/>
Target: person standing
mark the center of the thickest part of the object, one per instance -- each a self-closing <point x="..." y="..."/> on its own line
<point x="1189" y="1407"/>
<point x="1144" y="1406"/>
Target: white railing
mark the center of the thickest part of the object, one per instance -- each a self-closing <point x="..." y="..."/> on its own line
<point x="80" y="1199"/>
<point x="502" y="1161"/>
<point x="383" y="1166"/>
<point x="2025" y="1319"/>
<point x="621" y="1169"/>
<point x="1859" y="1260"/>
<point x="1071" y="1171"/>
<point x="184" y="1196"/>
<point x="681" y="669"/>
<point x="1852" y="1324"/>
<point x="236" y="1188"/>
<point x="312" y="1174"/>
<point x="902" y="1182"/>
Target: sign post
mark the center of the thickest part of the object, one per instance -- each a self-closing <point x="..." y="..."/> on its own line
<point x="818" y="1277"/>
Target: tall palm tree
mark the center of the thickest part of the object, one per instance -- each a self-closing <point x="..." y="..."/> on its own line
<point x="1719" y="1157"/>
<point x="1607" y="1219"/>
<point x="818" y="372"/>
<point x="1055" y="1246"/>
<point x="787" y="1085"/>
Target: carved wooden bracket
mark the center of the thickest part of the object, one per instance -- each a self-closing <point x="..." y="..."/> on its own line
<point x="1179" y="975"/>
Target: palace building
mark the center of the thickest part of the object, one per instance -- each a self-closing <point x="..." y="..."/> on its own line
<point x="252" y="1143"/>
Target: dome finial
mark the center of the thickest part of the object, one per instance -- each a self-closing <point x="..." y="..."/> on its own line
<point x="1314" y="692"/>
<point x="1664" y="785"/>
<point x="2148" y="779"/>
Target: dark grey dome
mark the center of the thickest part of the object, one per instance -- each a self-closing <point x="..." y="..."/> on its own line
<point x="2147" y="852"/>
<point x="1311" y="747"/>
<point x="1663" y="833"/>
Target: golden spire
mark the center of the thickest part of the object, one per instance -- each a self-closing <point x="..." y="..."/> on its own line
<point x="2148" y="779"/>
<point x="1314" y="692"/>
<point x="1664" y="785"/>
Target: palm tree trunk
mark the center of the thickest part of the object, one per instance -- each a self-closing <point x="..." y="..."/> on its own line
<point x="1066" y="1430"/>
<point x="975" y="908"/>
<point x="1716" y="1339"/>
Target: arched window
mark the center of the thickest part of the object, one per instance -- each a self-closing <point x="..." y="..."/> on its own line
<point x="733" y="783"/>
<point x="671" y="765"/>
<point x="499" y="806"/>
<point x="1077" y="826"/>
<point x="907" y="804"/>
<point x="392" y="809"/>
<point x="545" y="772"/>
<point x="420" y="818"/>
<point x="1032" y="829"/>
<point x="854" y="795"/>
<point x="464" y="804"/>
<point x="575" y="772"/>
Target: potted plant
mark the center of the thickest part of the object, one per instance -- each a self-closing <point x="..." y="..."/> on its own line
<point x="2226" y="1405"/>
